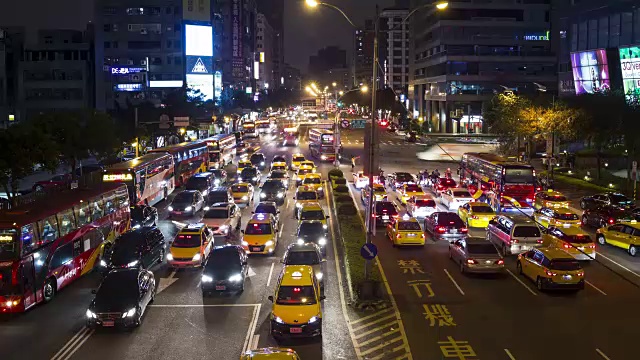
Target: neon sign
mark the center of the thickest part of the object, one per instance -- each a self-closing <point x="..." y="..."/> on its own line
<point x="117" y="177"/>
<point x="126" y="70"/>
<point x="6" y="238"/>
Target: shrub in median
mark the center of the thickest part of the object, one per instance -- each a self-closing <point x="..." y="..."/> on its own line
<point x="343" y="198"/>
<point x="338" y="181"/>
<point x="341" y="189"/>
<point x="347" y="208"/>
<point x="335" y="173"/>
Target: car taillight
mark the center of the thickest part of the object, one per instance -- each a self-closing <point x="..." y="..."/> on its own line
<point x="464" y="230"/>
<point x="592" y="246"/>
<point x="611" y="221"/>
<point x="471" y="261"/>
<point x="441" y="229"/>
<point x="566" y="246"/>
<point x="398" y="236"/>
<point x="500" y="262"/>
<point x="514" y="241"/>
<point x="538" y="188"/>
<point x="539" y="241"/>
<point x="422" y="235"/>
<point x="549" y="273"/>
<point x="474" y="217"/>
<point x="581" y="274"/>
<point x="395" y="216"/>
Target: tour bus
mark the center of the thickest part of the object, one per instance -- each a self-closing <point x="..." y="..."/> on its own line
<point x="189" y="158"/>
<point x="291" y="136"/>
<point x="249" y="129"/>
<point x="321" y="144"/>
<point x="222" y="150"/>
<point x="149" y="178"/>
<point x="47" y="244"/>
<point x="265" y="126"/>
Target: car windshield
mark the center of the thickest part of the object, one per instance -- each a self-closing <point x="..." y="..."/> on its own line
<point x="425" y="203"/>
<point x="413" y="188"/>
<point x="403" y="177"/>
<point x="277" y="175"/>
<point x="526" y="231"/>
<point x="379" y="188"/>
<point x="312" y="215"/>
<point x="311" y="180"/>
<point x="386" y="207"/>
<point x="117" y="286"/>
<point x="8" y="244"/>
<point x="483" y="249"/>
<point x="566" y="265"/>
<point x="218" y="196"/>
<point x="278" y="159"/>
<point x="224" y="260"/>
<point x="578" y="239"/>
<point x="196" y="183"/>
<point x="306" y="195"/>
<point x="461" y="193"/>
<point x="183" y="197"/>
<point x="302" y="258"/>
<point x="125" y="250"/>
<point x="298" y="158"/>
<point x="447" y="219"/>
<point x="272" y="185"/>
<point x="556" y="198"/>
<point x="248" y="172"/>
<point x="258" y="229"/>
<point x="567" y="216"/>
<point x="296" y="295"/>
<point x="256" y="158"/>
<point x="311" y="228"/>
<point x="186" y="240"/>
<point x="619" y="199"/>
<point x="216" y="214"/>
<point x="408" y="226"/>
<point x="482" y="209"/>
<point x="266" y="209"/>
<point x="244" y="164"/>
<point x="240" y="188"/>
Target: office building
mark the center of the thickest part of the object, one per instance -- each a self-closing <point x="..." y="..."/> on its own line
<point x="292" y="77"/>
<point x="461" y="56"/>
<point x="266" y="42"/>
<point x="364" y="53"/>
<point x="273" y="11"/>
<point x="239" y="42"/>
<point x="395" y="64"/>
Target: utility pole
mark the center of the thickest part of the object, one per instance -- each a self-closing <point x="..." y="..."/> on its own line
<point x="135" y="112"/>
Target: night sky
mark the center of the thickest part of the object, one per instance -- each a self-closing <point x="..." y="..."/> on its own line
<point x="306" y="30"/>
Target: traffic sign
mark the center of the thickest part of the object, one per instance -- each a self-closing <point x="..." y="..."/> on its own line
<point x="345" y="124"/>
<point x="358" y="123"/>
<point x="368" y="251"/>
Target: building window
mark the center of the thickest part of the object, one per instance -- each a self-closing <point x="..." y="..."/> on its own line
<point x="593" y="33"/>
<point x="178" y="60"/>
<point x="135" y="11"/>
<point x="109" y="10"/>
<point x="168" y="44"/>
<point x="582" y="36"/>
<point x="107" y="44"/>
<point x="614" y="30"/>
<point x="178" y="44"/>
<point x="115" y="44"/>
<point x="603" y="40"/>
<point x="626" y="28"/>
<point x="169" y="60"/>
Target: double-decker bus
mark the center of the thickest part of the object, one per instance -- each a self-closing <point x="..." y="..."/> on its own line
<point x="222" y="150"/>
<point x="149" y="178"/>
<point x="322" y="144"/>
<point x="47" y="244"/>
<point x="265" y="126"/>
<point x="291" y="136"/>
<point x="490" y="172"/>
<point x="189" y="158"/>
<point x="249" y="129"/>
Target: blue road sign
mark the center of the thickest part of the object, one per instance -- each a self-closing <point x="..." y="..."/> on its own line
<point x="345" y="124"/>
<point x="368" y="251"/>
<point x="358" y="123"/>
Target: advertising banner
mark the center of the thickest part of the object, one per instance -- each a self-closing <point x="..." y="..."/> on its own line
<point x="590" y="71"/>
<point x="237" y="61"/>
<point x="630" y="65"/>
<point x="199" y="59"/>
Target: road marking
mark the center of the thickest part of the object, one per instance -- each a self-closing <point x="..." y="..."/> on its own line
<point x="454" y="282"/>
<point x="393" y="331"/>
<point x="256" y="340"/>
<point x="73" y="344"/>
<point x="248" y="341"/>
<point x="373" y="322"/>
<point x="164" y="283"/>
<point x="200" y="305"/>
<point x="602" y="354"/>
<point x="371" y="331"/>
<point x="375" y="348"/>
<point x="270" y="273"/>
<point x="509" y="354"/>
<point x="521" y="282"/>
<point x="595" y="287"/>
<point x="370" y="316"/>
<point x="622" y="266"/>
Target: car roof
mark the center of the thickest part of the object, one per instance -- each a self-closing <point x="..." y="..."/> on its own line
<point x="244" y="161"/>
<point x="220" y="188"/>
<point x="519" y="219"/>
<point x="297" y="154"/>
<point x="560" y="210"/>
<point x="260" y="218"/>
<point x="305" y="188"/>
<point x="241" y="184"/>
<point x="197" y="227"/>
<point x="293" y="275"/>
<point x="189" y="191"/>
<point x="408" y="219"/>
<point x="552" y="253"/>
<point x="570" y="230"/>
<point x="220" y="205"/>
<point x="314" y="205"/>
<point x="311" y="222"/>
<point x="202" y="174"/>
<point x="295" y="247"/>
<point x="314" y="175"/>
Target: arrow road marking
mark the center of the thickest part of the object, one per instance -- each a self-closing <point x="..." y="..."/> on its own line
<point x="166" y="282"/>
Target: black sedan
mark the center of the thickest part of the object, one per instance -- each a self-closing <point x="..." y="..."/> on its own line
<point x="143" y="247"/>
<point x="313" y="231"/>
<point x="258" y="160"/>
<point x="445" y="226"/>
<point x="250" y="175"/>
<point x="186" y="203"/>
<point x="606" y="215"/>
<point x="385" y="212"/>
<point x="273" y="190"/>
<point x="143" y="215"/>
<point x="225" y="270"/>
<point x="398" y="179"/>
<point x="606" y="199"/>
<point x="122" y="298"/>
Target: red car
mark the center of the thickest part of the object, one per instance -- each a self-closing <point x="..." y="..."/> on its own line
<point x="58" y="180"/>
<point x="443" y="184"/>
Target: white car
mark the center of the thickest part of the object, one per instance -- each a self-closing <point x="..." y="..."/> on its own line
<point x="421" y="207"/>
<point x="222" y="218"/>
<point x="454" y="198"/>
<point x="360" y="180"/>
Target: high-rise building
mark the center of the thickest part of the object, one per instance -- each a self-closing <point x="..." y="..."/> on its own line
<point x="273" y="10"/>
<point x="266" y="41"/>
<point x="462" y="55"/>
<point x="292" y="78"/>
<point x="395" y="64"/>
<point x="364" y="53"/>
<point x="239" y="41"/>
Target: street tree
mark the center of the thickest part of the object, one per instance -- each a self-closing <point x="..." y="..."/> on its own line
<point x="504" y="117"/>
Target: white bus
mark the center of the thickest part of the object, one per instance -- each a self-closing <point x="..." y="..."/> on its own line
<point x="222" y="150"/>
<point x="249" y="129"/>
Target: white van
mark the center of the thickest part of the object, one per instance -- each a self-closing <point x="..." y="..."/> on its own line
<point x="514" y="234"/>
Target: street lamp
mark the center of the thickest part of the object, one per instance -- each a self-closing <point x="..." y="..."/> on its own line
<point x="341" y="92"/>
<point x="364" y="88"/>
<point x="334" y="84"/>
<point x="311" y="3"/>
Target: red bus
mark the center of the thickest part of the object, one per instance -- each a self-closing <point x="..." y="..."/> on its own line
<point x="47" y="244"/>
<point x="494" y="173"/>
<point x="222" y="150"/>
<point x="322" y="144"/>
<point x="189" y="158"/>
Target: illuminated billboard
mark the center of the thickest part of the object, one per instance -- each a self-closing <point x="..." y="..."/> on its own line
<point x="630" y="65"/>
<point x="199" y="59"/>
<point x="590" y="71"/>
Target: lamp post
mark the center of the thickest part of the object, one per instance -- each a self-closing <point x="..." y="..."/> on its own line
<point x="543" y="89"/>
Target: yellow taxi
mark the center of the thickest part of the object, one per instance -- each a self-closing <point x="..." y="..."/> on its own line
<point x="551" y="268"/>
<point x="191" y="246"/>
<point x="280" y="166"/>
<point x="550" y="199"/>
<point x="626" y="236"/>
<point x="301" y="173"/>
<point x="314" y="180"/>
<point x="407" y="191"/>
<point x="379" y="192"/>
<point x="242" y="193"/>
<point x="308" y="163"/>
<point x="556" y="217"/>
<point x="476" y="214"/>
<point x="571" y="239"/>
<point x="305" y="194"/>
<point x="244" y="163"/>
<point x="311" y="211"/>
<point x="296" y="310"/>
<point x="270" y="353"/>
<point x="260" y="236"/>
<point x="296" y="159"/>
<point x="405" y="231"/>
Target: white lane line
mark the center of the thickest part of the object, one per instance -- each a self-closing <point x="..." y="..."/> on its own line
<point x="511" y="357"/>
<point x="602" y="354"/>
<point x="595" y="287"/>
<point x="270" y="273"/>
<point x="622" y="266"/>
<point x="454" y="282"/>
<point x="79" y="345"/>
<point x="248" y="341"/>
<point x="200" y="305"/>
<point x="71" y="344"/>
<point x="522" y="283"/>
<point x="256" y="340"/>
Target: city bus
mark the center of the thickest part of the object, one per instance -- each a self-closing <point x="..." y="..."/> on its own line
<point x="321" y="144"/>
<point x="490" y="172"/>
<point x="189" y="158"/>
<point x="149" y="178"/>
<point x="249" y="129"/>
<point x="291" y="136"/>
<point x="47" y="244"/>
<point x="222" y="150"/>
<point x="265" y="126"/>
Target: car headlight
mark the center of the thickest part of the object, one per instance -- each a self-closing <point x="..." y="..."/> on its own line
<point x="254" y="178"/>
<point x="239" y="171"/>
<point x="323" y="157"/>
<point x="216" y="182"/>
<point x="262" y="163"/>
<point x="244" y="243"/>
<point x="90" y="314"/>
<point x="197" y="257"/>
<point x="133" y="263"/>
<point x="300" y="241"/>
<point x="277" y="319"/>
<point x="206" y="278"/>
<point x="169" y="257"/>
<point x="136" y="226"/>
<point x="313" y="319"/>
<point x="319" y="276"/>
<point x="263" y="195"/>
<point x="129" y="313"/>
<point x="235" y="278"/>
<point x="280" y="195"/>
<point x="322" y="241"/>
<point x="103" y="263"/>
<point x="324" y="226"/>
<point x="188" y="208"/>
<point x="268" y="243"/>
<point x="298" y="205"/>
<point x="245" y="197"/>
<point x="170" y="208"/>
<point x="205" y="192"/>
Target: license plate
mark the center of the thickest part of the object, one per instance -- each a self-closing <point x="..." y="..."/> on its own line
<point x="454" y="231"/>
<point x="411" y="235"/>
<point x="220" y="287"/>
<point x="581" y="248"/>
<point x="178" y="212"/>
<point x="385" y="217"/>
<point x="254" y="249"/>
<point x="295" y="330"/>
<point x="108" y="323"/>
<point x="488" y="262"/>
<point x="566" y="277"/>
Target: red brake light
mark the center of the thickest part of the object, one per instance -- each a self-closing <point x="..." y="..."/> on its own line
<point x="592" y="246"/>
<point x="500" y="262"/>
<point x="398" y="236"/>
<point x="581" y="274"/>
<point x="514" y="241"/>
<point x="464" y="230"/>
<point x="471" y="261"/>
<point x="441" y="229"/>
<point x="539" y="241"/>
<point x="296" y="289"/>
<point x="549" y="273"/>
<point x="181" y="237"/>
<point x="566" y="246"/>
<point x="474" y="217"/>
<point x="611" y="221"/>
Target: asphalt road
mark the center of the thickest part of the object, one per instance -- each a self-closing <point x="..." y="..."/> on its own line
<point x="181" y="324"/>
<point x="447" y="314"/>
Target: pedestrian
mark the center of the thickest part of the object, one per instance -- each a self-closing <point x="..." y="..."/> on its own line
<point x="353" y="163"/>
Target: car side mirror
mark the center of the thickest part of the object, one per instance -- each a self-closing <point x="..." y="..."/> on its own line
<point x="281" y="261"/>
<point x="94" y="291"/>
<point x="322" y="297"/>
<point x="323" y="260"/>
<point x="270" y="298"/>
<point x="253" y="212"/>
<point x="242" y="231"/>
<point x="277" y="211"/>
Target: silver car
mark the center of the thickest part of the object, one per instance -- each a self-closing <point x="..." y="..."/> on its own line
<point x="307" y="254"/>
<point x="476" y="255"/>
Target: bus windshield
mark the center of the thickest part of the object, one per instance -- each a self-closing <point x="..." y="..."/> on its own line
<point x="8" y="245"/>
<point x="518" y="176"/>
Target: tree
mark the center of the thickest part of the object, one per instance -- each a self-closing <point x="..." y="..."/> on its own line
<point x="503" y="116"/>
